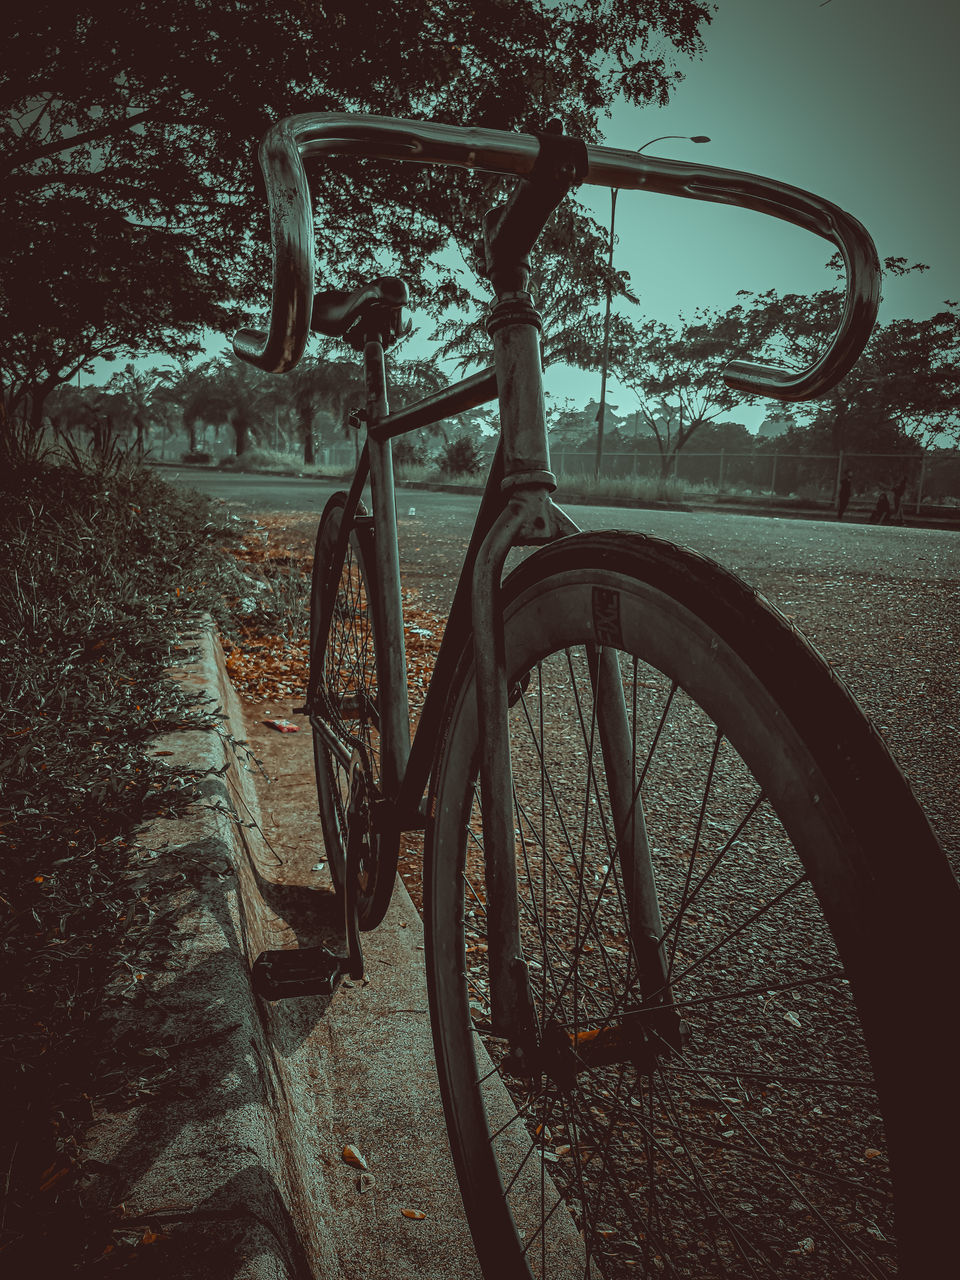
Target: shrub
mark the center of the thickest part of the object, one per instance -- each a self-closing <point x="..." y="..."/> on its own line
<point x="105" y="569"/>
<point x="409" y="452"/>
<point x="259" y="459"/>
<point x="460" y="457"/>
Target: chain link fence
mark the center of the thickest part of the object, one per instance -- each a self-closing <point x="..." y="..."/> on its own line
<point x="931" y="478"/>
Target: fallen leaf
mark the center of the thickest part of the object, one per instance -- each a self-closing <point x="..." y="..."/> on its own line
<point x="353" y="1157"/>
<point x="50" y="1182"/>
<point x="417" y="1214"/>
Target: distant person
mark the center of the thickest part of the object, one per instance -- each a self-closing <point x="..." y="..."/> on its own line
<point x="843" y="494"/>
<point x="881" y="512"/>
<point x="899" y="489"/>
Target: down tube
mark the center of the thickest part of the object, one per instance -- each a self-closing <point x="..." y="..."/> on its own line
<point x="456" y="637"/>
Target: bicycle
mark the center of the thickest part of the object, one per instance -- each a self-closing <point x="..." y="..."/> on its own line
<point x="686" y="997"/>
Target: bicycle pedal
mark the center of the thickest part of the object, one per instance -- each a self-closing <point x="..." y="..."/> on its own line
<point x="310" y="971"/>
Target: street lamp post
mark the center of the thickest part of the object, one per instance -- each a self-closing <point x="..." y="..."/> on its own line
<point x="699" y="137"/>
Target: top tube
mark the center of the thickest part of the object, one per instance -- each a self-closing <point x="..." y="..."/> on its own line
<point x="287" y="144"/>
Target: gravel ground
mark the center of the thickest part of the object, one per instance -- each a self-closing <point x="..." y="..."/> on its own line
<point x="893" y="638"/>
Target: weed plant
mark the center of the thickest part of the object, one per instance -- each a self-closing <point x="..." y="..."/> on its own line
<point x="105" y="573"/>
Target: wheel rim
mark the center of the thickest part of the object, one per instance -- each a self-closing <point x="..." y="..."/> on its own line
<point x="349" y="705"/>
<point x="663" y="1162"/>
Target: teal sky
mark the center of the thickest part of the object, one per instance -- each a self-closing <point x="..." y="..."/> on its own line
<point x="856" y="100"/>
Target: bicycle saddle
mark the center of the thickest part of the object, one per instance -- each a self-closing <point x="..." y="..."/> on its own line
<point x="372" y="310"/>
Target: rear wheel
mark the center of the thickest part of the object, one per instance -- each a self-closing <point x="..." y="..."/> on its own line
<point x="344" y="711"/>
<point x="808" y="927"/>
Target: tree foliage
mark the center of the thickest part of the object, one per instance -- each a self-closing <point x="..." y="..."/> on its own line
<point x="909" y="374"/>
<point x="138" y="409"/>
<point x="568" y="284"/>
<point x="674" y="371"/>
<point x="131" y="211"/>
<point x="902" y="394"/>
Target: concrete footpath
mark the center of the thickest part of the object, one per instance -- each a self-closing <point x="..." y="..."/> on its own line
<point x="232" y="1167"/>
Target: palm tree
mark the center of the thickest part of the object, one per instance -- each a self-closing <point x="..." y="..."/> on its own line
<point x="316" y="386"/>
<point x="140" y="389"/>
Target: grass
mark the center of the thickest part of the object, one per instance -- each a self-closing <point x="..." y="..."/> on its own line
<point x="105" y="572"/>
<point x="273" y="462"/>
<point x="627" y="488"/>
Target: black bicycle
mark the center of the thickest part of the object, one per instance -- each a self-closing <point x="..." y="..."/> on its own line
<point x="691" y="943"/>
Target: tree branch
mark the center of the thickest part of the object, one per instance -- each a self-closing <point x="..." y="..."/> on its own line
<point x="80" y="139"/>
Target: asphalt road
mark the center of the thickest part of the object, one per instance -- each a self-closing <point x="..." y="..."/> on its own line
<point x="745" y="543"/>
<point x="880" y="603"/>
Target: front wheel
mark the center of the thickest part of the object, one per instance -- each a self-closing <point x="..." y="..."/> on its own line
<point x="779" y="1104"/>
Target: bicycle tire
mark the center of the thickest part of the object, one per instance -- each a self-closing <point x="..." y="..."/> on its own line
<point x="662" y="1173"/>
<point x="344" y="664"/>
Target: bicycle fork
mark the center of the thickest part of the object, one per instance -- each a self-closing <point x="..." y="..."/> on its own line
<point x="529" y="517"/>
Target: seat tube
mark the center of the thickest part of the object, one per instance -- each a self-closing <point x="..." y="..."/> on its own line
<point x="387" y="605"/>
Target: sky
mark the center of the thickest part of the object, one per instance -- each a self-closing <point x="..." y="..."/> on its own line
<point x="856" y="100"/>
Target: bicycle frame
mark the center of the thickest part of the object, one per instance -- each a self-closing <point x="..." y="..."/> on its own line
<point x="410" y="779"/>
<point x="522" y="515"/>
<point x="516" y="507"/>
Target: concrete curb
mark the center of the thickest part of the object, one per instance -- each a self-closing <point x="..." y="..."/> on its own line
<point x="206" y="1167"/>
<point x="231" y="1167"/>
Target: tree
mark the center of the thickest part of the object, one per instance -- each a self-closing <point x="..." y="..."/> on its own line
<point x="79" y="283"/>
<point x="460" y="456"/>
<point x="912" y="371"/>
<point x="130" y="212"/>
<point x="141" y="390"/>
<point x="89" y="411"/>
<point x="205" y="398"/>
<point x="568" y="284"/>
<point x="251" y="398"/>
<point x="318" y="385"/>
<point x="909" y="373"/>
<point x="675" y="373"/>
